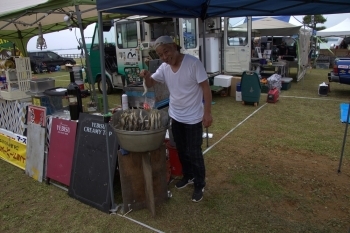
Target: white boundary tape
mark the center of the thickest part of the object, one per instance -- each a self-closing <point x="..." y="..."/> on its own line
<point x="209" y="148"/>
<point x="60" y="76"/>
<point x="311" y="98"/>
<point x="140" y="223"/>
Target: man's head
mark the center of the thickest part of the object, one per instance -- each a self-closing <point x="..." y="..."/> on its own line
<point x="167" y="49"/>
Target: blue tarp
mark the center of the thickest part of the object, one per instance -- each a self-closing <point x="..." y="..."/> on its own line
<point x="344" y="110"/>
<point x="230" y="8"/>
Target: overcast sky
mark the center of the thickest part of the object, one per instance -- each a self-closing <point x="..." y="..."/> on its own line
<point x="65" y="42"/>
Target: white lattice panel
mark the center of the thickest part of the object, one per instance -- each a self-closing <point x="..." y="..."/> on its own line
<point x="24" y="73"/>
<point x="12" y="115"/>
<point x="17" y="80"/>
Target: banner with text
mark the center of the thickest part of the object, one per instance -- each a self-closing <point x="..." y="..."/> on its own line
<point x="13" y="151"/>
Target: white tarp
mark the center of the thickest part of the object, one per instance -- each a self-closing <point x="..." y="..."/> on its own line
<point x="16" y="5"/>
<point x="341" y="29"/>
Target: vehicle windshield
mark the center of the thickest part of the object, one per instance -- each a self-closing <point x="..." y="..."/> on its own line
<point x="237" y="31"/>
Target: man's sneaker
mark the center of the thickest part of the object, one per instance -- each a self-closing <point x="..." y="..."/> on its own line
<point x="184" y="182"/>
<point x="198" y="193"/>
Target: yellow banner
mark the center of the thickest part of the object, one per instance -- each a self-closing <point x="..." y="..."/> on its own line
<point x="13" y="151"/>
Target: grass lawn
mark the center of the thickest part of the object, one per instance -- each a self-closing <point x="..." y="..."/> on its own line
<point x="275" y="172"/>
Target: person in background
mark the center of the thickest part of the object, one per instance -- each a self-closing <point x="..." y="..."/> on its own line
<point x="283" y="49"/>
<point x="188" y="86"/>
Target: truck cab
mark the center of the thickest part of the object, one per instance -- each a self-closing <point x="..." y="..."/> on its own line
<point x="128" y="46"/>
<point x="341" y="71"/>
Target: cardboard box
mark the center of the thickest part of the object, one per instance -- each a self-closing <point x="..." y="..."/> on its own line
<point x="222" y="80"/>
<point x="234" y="81"/>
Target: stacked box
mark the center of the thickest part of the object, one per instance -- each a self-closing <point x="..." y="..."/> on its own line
<point x="234" y="81"/>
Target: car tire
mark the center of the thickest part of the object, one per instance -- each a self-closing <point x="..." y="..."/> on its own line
<point x="109" y="86"/>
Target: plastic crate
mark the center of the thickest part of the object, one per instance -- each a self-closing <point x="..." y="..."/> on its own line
<point x="17" y="80"/>
<point x="286" y="83"/>
<point x="52" y="103"/>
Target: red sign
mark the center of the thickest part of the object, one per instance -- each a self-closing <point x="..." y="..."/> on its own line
<point x="37" y="115"/>
<point x="61" y="150"/>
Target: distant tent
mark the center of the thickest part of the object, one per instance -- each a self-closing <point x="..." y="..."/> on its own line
<point x="270" y="26"/>
<point x="339" y="30"/>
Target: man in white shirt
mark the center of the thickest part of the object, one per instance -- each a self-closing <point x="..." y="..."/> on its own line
<point x="189" y="108"/>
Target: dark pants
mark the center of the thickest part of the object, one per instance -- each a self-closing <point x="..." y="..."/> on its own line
<point x="188" y="139"/>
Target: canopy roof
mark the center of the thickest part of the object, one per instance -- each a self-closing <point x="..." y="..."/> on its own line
<point x="341" y="29"/>
<point x="212" y="8"/>
<point x="273" y="27"/>
<point x="18" y="25"/>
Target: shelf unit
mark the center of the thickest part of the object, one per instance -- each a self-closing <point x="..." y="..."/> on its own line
<point x="17" y="80"/>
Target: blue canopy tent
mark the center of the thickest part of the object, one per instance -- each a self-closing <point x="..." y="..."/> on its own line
<point x="204" y="9"/>
<point x="212" y="8"/>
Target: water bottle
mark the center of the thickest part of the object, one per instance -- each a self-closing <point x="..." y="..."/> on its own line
<point x="125" y="103"/>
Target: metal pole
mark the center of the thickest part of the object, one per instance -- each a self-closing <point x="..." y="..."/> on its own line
<point x="105" y="107"/>
<point x="344" y="139"/>
<point x="204" y="63"/>
<point x="87" y="56"/>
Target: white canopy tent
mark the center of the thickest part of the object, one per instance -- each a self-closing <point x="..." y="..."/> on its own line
<point x="340" y="30"/>
<point x="270" y="26"/>
<point x="273" y="27"/>
<point x="20" y="19"/>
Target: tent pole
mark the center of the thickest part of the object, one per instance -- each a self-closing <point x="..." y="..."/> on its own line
<point x="344" y="139"/>
<point x="87" y="56"/>
<point x="113" y="209"/>
<point x="205" y="67"/>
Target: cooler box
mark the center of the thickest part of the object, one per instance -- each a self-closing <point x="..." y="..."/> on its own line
<point x="286" y="83"/>
<point x="251" y="87"/>
<point x="222" y="80"/>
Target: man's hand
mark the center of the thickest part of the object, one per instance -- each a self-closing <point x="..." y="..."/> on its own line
<point x="207" y="120"/>
<point x="145" y="74"/>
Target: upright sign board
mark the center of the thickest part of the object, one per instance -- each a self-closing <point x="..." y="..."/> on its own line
<point x="89" y="181"/>
<point x="61" y="150"/>
<point x="35" y="152"/>
<point x="37" y="115"/>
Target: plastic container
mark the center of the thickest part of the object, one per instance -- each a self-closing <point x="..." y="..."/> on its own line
<point x="238" y="87"/>
<point x="41" y="84"/>
<point x="286" y="83"/>
<point x="222" y="80"/>
<point x="125" y="103"/>
<point x="323" y="89"/>
<point x="176" y="167"/>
